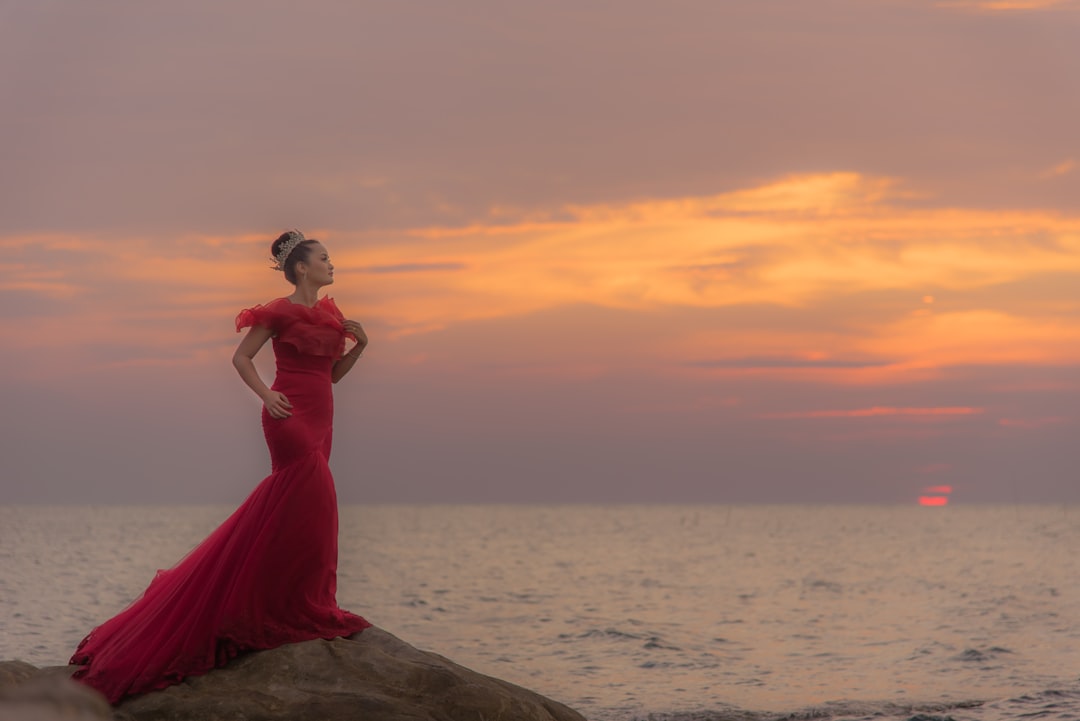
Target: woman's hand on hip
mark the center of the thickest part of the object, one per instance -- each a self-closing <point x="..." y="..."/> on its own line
<point x="277" y="405"/>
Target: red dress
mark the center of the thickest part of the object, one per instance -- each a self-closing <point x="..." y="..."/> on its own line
<point x="268" y="575"/>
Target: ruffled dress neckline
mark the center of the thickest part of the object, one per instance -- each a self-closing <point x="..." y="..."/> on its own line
<point x="313" y="330"/>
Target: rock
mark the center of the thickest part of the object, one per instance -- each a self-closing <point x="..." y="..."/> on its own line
<point x="372" y="676"/>
<point x="13" y="673"/>
<point x="31" y="694"/>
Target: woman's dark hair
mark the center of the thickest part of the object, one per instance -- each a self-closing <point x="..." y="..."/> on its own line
<point x="299" y="254"/>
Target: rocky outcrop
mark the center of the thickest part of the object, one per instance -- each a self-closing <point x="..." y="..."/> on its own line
<point x="32" y="694"/>
<point x="372" y="676"/>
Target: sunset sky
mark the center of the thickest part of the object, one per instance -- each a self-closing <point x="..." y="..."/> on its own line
<point x="606" y="251"/>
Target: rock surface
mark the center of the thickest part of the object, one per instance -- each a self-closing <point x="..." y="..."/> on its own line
<point x="372" y="676"/>
<point x="31" y="694"/>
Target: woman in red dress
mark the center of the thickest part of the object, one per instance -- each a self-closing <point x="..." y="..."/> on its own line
<point x="267" y="575"/>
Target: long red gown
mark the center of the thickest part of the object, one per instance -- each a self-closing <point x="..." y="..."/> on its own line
<point x="267" y="576"/>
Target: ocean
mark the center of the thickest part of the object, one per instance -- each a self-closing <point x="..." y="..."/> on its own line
<point x="682" y="613"/>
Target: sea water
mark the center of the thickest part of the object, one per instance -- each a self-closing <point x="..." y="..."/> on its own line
<point x="632" y="612"/>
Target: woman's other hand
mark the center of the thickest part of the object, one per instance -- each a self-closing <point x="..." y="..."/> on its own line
<point x="356" y="330"/>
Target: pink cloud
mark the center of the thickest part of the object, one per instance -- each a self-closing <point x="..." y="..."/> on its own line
<point x="1032" y="422"/>
<point x="945" y="490"/>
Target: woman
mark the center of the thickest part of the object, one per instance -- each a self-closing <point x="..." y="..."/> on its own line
<point x="268" y="575"/>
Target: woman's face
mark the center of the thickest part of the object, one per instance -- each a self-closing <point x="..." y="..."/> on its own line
<point x="317" y="269"/>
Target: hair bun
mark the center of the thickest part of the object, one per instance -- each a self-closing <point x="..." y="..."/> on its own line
<point x="284" y="245"/>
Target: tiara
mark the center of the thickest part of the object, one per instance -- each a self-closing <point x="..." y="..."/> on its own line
<point x="295" y="238"/>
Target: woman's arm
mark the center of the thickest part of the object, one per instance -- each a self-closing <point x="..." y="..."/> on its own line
<point x="347" y="361"/>
<point x="243" y="360"/>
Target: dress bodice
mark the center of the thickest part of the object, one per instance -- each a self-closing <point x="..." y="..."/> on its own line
<point x="314" y="331"/>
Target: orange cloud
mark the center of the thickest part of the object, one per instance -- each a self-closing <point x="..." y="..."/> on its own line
<point x="1063" y="168"/>
<point x="41" y="285"/>
<point x="1006" y="5"/>
<point x="838" y="251"/>
<point x="790" y="243"/>
<point x="879" y="411"/>
<point x="979" y="337"/>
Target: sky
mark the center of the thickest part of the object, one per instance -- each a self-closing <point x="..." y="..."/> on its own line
<point x="615" y="251"/>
